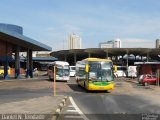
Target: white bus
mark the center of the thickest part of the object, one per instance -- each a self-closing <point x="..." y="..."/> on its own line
<point x="120" y="71"/>
<point x="62" y="71"/>
<point x="72" y="71"/>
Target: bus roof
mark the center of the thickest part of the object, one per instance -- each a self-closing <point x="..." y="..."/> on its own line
<point x="62" y="62"/>
<point x="97" y="59"/>
<point x="59" y="62"/>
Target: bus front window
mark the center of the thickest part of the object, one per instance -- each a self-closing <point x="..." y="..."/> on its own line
<point x="100" y="71"/>
<point x="94" y="69"/>
<point x="107" y="73"/>
<point x="59" y="71"/>
<point x="66" y="70"/>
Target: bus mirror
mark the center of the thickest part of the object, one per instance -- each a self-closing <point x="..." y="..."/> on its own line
<point x="87" y="68"/>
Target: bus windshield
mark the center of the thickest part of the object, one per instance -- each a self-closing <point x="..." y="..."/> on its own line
<point x="62" y="70"/>
<point x="100" y="71"/>
<point x="65" y="70"/>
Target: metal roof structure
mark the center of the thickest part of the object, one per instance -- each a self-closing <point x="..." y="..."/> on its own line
<point x="103" y="52"/>
<point x="44" y="59"/>
<point x="14" y="34"/>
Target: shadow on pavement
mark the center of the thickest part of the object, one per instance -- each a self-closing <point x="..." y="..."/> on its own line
<point x="78" y="88"/>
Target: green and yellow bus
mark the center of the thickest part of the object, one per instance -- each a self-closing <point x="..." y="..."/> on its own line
<point x="95" y="74"/>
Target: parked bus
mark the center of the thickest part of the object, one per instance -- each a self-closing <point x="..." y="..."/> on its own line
<point x="95" y="74"/>
<point x="120" y="71"/>
<point x="62" y="70"/>
<point x="72" y="71"/>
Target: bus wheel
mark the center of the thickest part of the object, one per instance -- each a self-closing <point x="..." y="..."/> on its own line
<point x="106" y="91"/>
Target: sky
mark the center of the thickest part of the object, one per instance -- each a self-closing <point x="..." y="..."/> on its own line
<point x="135" y="22"/>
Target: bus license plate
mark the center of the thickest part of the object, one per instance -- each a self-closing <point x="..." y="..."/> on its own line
<point x="101" y="88"/>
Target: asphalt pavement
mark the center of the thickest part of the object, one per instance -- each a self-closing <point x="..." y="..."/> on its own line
<point x="127" y="101"/>
<point x="28" y="99"/>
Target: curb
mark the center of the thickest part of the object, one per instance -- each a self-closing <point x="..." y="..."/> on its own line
<point x="59" y="108"/>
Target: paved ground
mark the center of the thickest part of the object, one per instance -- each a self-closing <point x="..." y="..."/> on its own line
<point x="31" y="96"/>
<point x="36" y="96"/>
<point x="127" y="101"/>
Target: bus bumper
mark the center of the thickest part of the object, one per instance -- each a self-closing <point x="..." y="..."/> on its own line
<point x="107" y="87"/>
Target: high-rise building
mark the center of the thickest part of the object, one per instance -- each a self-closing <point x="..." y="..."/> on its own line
<point x="108" y="44"/>
<point x="74" y="42"/>
<point x="111" y="44"/>
<point x="117" y="43"/>
<point x="158" y="43"/>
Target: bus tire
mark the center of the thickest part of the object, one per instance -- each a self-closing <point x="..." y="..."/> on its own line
<point x="106" y="91"/>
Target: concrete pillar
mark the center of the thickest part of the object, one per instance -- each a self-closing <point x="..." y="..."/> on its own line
<point x="127" y="63"/>
<point x="65" y="57"/>
<point x="116" y="57"/>
<point x="106" y="55"/>
<point x="89" y="54"/>
<point x="27" y="64"/>
<point x="30" y="64"/>
<point x="148" y="55"/>
<point x="75" y="58"/>
<point x="6" y="64"/>
<point x="17" y="63"/>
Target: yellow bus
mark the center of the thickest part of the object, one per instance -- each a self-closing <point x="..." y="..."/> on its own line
<point x="95" y="74"/>
<point x="2" y="70"/>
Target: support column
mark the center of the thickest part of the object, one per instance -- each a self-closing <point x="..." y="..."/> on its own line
<point x="65" y="57"/>
<point x="127" y="63"/>
<point x="27" y="64"/>
<point x="106" y="55"/>
<point x="75" y="58"/>
<point x="30" y="64"/>
<point x="17" y="63"/>
<point x="89" y="54"/>
<point x="6" y="64"/>
<point x="148" y="55"/>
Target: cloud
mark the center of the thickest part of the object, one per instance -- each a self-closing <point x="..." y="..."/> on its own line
<point x="137" y="43"/>
<point x="95" y="25"/>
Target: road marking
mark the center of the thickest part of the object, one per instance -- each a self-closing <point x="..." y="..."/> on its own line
<point x="73" y="116"/>
<point x="77" y="108"/>
<point x="70" y="105"/>
<point x="71" y="111"/>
